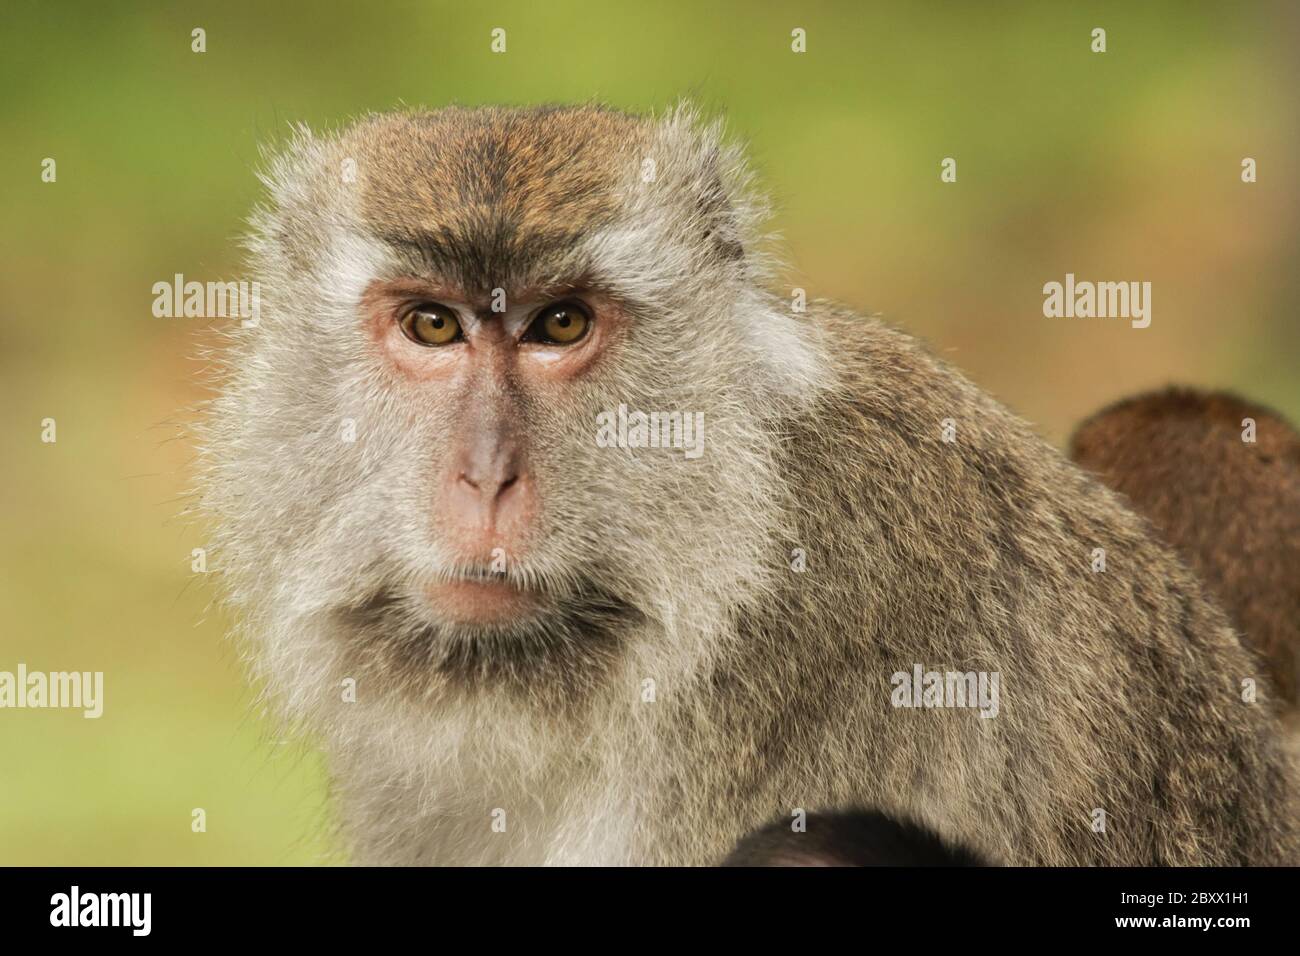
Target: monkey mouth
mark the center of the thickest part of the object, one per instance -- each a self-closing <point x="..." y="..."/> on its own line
<point x="546" y="638"/>
<point x="481" y="598"/>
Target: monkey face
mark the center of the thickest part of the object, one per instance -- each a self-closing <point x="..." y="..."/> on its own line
<point x="454" y="453"/>
<point x="486" y="375"/>
<point x="482" y="370"/>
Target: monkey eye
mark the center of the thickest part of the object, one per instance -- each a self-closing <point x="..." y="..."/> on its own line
<point x="431" y="323"/>
<point x="560" y="323"/>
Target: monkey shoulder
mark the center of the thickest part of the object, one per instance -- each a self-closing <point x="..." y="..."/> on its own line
<point x="962" y="510"/>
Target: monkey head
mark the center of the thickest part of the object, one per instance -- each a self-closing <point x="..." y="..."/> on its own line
<point x="406" y="464"/>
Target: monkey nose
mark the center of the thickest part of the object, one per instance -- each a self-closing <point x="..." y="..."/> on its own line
<point x="490" y="501"/>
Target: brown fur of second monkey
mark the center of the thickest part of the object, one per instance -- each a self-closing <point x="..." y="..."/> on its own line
<point x="826" y="435"/>
<point x="1230" y="507"/>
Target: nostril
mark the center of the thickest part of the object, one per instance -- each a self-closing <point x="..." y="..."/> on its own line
<point x="489" y="488"/>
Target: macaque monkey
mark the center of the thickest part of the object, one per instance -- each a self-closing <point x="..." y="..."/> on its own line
<point x="1219" y="478"/>
<point x="575" y="543"/>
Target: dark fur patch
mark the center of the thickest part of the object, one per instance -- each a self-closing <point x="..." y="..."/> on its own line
<point x="557" y="657"/>
<point x="849" y="838"/>
<point x="483" y="195"/>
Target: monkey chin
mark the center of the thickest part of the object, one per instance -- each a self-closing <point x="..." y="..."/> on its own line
<point x="474" y="633"/>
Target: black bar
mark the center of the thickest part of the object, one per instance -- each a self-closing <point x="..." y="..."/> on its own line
<point x="466" y="908"/>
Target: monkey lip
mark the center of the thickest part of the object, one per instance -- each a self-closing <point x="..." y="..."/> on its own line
<point x="480" y="599"/>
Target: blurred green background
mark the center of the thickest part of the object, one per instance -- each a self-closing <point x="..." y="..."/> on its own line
<point x="1117" y="166"/>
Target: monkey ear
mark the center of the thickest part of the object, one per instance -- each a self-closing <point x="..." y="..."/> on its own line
<point x="293" y="176"/>
<point x="718" y="184"/>
<point x="722" y="222"/>
<point x="848" y="838"/>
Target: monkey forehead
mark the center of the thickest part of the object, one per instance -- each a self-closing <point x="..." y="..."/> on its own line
<point x="488" y="193"/>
